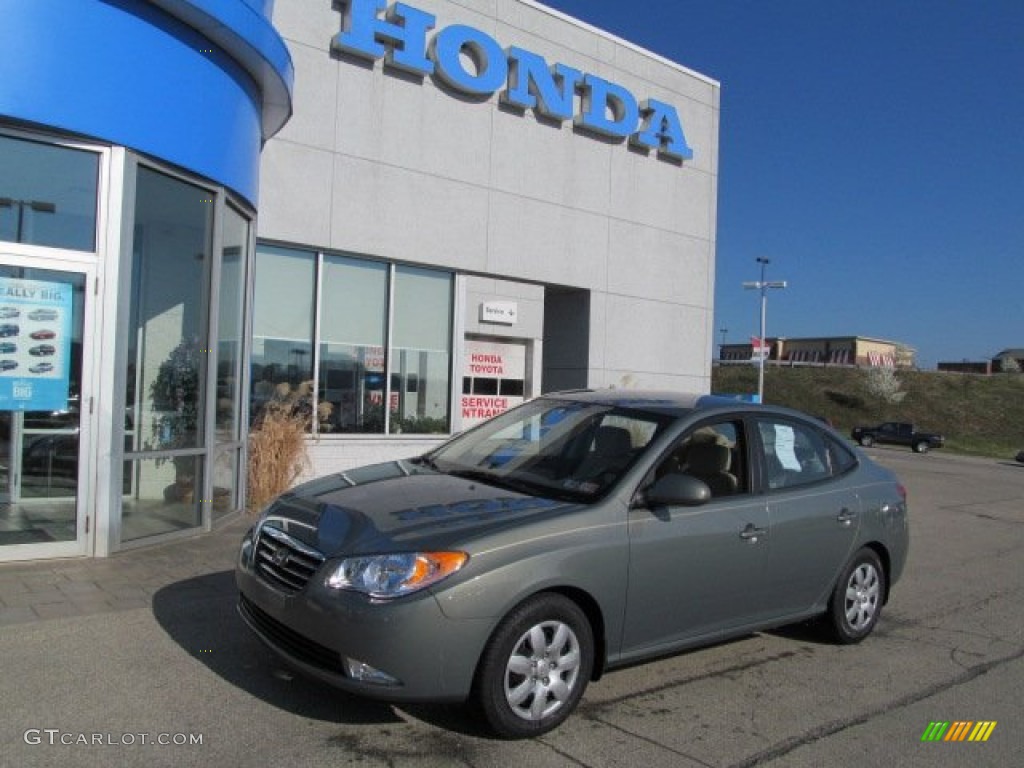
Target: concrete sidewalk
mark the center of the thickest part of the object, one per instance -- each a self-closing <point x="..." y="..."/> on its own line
<point x="50" y="589"/>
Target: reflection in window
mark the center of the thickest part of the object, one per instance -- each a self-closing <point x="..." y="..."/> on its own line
<point x="353" y="332"/>
<point x="420" y="354"/>
<point x="157" y="506"/>
<point x="47" y="194"/>
<point x="361" y="384"/>
<point x="282" y="346"/>
<point x="166" y="357"/>
<point x="230" y="323"/>
<point x="173" y="226"/>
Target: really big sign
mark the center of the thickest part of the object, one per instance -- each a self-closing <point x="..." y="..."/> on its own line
<point x="472" y="62"/>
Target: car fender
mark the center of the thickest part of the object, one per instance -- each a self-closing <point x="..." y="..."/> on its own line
<point x="591" y="560"/>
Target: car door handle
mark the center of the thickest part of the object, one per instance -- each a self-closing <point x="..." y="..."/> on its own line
<point x="752" y="534"/>
<point x="846" y="517"/>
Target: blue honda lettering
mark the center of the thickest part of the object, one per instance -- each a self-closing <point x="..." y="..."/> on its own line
<point x="473" y="62"/>
<point x="405" y="30"/>
<point x="533" y="85"/>
<point x="487" y="56"/>
<point x="601" y="97"/>
<point x="661" y="130"/>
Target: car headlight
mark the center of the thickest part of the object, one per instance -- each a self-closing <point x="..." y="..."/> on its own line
<point x="394" y="575"/>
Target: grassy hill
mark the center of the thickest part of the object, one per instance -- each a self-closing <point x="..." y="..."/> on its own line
<point x="981" y="415"/>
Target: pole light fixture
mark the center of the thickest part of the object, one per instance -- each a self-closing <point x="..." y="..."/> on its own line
<point x="37" y="206"/>
<point x="762" y="285"/>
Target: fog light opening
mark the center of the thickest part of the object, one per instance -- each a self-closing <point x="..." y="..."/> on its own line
<point x="364" y="673"/>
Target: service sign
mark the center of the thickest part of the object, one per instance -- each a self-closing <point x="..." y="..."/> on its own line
<point x="494" y="379"/>
<point x="35" y="344"/>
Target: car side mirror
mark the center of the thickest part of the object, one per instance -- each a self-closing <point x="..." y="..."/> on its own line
<point x="676" y="490"/>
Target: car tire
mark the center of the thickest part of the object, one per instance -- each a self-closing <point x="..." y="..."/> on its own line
<point x="867" y="441"/>
<point x="921" y="446"/>
<point x="857" y="599"/>
<point x="535" y="667"/>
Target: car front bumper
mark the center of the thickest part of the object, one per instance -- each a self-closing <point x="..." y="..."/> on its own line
<point x="430" y="656"/>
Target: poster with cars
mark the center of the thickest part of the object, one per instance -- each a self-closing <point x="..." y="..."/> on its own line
<point x="35" y="344"/>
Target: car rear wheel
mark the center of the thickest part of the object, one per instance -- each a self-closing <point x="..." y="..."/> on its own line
<point x="535" y="667"/>
<point x="921" y="447"/>
<point x="857" y="599"/>
<point x="867" y="441"/>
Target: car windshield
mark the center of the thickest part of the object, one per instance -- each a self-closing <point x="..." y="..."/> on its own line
<point x="551" y="447"/>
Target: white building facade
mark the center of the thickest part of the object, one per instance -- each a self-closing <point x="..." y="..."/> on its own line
<point x="472" y="204"/>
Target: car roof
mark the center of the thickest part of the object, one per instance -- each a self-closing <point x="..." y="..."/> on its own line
<point x="655" y="401"/>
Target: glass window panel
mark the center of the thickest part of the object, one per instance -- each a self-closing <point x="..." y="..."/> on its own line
<point x="166" y="359"/>
<point x="353" y="331"/>
<point x="512" y="387"/>
<point x="282" y="354"/>
<point x="423" y="309"/>
<point x="230" y="323"/>
<point x="283" y="289"/>
<point x="164" y="498"/>
<point x="47" y="194"/>
<point x="421" y="351"/>
<point x="225" y="485"/>
<point x="794" y="454"/>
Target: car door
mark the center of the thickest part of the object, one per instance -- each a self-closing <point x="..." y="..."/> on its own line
<point x="694" y="572"/>
<point x="813" y="513"/>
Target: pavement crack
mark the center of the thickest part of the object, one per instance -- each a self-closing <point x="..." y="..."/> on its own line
<point x="724" y="672"/>
<point x="787" y="746"/>
<point x="659" y="745"/>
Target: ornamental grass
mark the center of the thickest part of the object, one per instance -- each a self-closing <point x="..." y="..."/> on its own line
<point x="277" y="444"/>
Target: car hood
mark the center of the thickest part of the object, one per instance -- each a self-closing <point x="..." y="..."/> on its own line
<point x="399" y="506"/>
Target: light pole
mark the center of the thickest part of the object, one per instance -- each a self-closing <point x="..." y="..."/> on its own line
<point x="763" y="286"/>
<point x="39" y="206"/>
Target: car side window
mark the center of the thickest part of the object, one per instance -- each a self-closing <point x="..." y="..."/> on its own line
<point x="714" y="453"/>
<point x="795" y="454"/>
<point x="841" y="457"/>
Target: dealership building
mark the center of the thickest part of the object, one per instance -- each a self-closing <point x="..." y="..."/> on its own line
<point x="404" y="218"/>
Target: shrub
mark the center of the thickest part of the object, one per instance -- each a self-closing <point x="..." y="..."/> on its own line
<point x="277" y="444"/>
<point x="883" y="383"/>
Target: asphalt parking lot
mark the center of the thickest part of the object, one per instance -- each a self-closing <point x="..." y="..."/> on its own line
<point x="141" y="679"/>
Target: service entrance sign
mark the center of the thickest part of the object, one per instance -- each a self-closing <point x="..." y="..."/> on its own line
<point x="35" y="344"/>
<point x="493" y="379"/>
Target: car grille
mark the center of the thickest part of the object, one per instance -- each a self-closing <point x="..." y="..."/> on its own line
<point x="284" y="562"/>
<point x="289" y="641"/>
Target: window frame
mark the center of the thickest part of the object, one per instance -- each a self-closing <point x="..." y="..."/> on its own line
<point x="102" y="206"/>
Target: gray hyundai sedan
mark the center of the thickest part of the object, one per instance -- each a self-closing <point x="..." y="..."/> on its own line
<point x="576" y="533"/>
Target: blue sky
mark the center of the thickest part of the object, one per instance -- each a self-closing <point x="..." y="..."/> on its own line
<point x="873" y="150"/>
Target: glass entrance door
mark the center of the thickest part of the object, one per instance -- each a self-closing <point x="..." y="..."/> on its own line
<point x="42" y="328"/>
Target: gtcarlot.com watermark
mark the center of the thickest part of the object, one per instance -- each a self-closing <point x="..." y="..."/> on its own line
<point x="57" y="737"/>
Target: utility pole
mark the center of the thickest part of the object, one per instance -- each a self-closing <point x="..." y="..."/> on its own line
<point x="763" y="285"/>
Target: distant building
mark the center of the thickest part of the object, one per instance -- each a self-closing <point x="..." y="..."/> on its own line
<point x="858" y="351"/>
<point x="967" y="366"/>
<point x="998" y="363"/>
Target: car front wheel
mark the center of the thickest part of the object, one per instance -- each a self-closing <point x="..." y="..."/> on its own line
<point x="867" y="441"/>
<point x="857" y="599"/>
<point x="921" y="447"/>
<point x="535" y="667"/>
